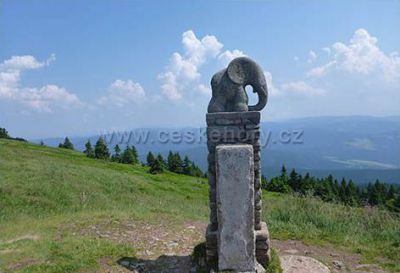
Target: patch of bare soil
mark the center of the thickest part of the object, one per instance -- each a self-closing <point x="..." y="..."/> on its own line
<point x="338" y="261"/>
<point x="166" y="248"/>
<point x="161" y="248"/>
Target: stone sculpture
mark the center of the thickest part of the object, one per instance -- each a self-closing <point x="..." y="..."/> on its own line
<point x="228" y="87"/>
<point x="229" y="122"/>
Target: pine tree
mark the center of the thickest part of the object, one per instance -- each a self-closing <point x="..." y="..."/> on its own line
<point x="178" y="163"/>
<point x="161" y="160"/>
<point x="170" y="161"/>
<point x="67" y="144"/>
<point x="4" y="133"/>
<point x="116" y="157"/>
<point x="128" y="156"/>
<point x="88" y="150"/>
<point x="135" y="155"/>
<point x="156" y="167"/>
<point x="294" y="181"/>
<point x="351" y="194"/>
<point x="391" y="194"/>
<point x="101" y="149"/>
<point x="150" y="159"/>
<point x="377" y="193"/>
<point x="187" y="166"/>
<point x="342" y="191"/>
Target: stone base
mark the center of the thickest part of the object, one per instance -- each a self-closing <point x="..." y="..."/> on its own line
<point x="263" y="247"/>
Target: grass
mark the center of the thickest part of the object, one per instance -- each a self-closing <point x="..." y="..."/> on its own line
<point x="43" y="190"/>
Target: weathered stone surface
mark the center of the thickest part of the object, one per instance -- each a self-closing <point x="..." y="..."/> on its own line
<point x="228" y="87"/>
<point x="302" y="264"/>
<point x="235" y="201"/>
<point x="251" y="117"/>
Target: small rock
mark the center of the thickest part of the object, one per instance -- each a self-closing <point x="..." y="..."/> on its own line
<point x="302" y="264"/>
<point x="291" y="251"/>
<point x="338" y="264"/>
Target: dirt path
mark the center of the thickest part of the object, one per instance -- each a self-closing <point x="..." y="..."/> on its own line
<point x="338" y="261"/>
<point x="166" y="248"/>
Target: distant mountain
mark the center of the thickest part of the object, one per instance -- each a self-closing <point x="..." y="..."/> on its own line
<point x="358" y="147"/>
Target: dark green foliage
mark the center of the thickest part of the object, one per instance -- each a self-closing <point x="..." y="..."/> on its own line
<point x="150" y="159"/>
<point x="129" y="156"/>
<point x="329" y="190"/>
<point x="187" y="166"/>
<point x="101" y="149"/>
<point x="161" y="160"/>
<point x="116" y="157"/>
<point x="156" y="167"/>
<point x="174" y="163"/>
<point x="4" y="133"/>
<point x="67" y="144"/>
<point x="89" y="152"/>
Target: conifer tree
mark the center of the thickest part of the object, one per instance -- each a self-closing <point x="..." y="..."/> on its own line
<point x="67" y="144"/>
<point x="150" y="159"/>
<point x="88" y="149"/>
<point x="134" y="154"/>
<point x="294" y="180"/>
<point x="161" y="160"/>
<point x="101" y="149"/>
<point x="128" y="156"/>
<point x="4" y="133"/>
<point x="178" y="163"/>
<point x="187" y="166"/>
<point x="170" y="161"/>
<point x="116" y="157"/>
<point x="342" y="191"/>
<point x="155" y="167"/>
<point x="391" y="194"/>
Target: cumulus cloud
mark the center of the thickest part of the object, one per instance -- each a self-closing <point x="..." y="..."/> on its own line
<point x="228" y="56"/>
<point x="362" y="56"/>
<point x="272" y="90"/>
<point x="42" y="99"/>
<point x="183" y="69"/>
<point x="48" y="97"/>
<point x="312" y="56"/>
<point x="121" y="93"/>
<point x="302" y="88"/>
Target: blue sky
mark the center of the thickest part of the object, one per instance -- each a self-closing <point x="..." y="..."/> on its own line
<point x="81" y="67"/>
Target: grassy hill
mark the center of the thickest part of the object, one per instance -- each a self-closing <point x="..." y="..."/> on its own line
<point x="56" y="205"/>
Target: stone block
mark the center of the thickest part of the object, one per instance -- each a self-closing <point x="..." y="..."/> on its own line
<point x="235" y="208"/>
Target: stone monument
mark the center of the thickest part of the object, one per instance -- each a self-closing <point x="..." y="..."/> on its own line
<point x="236" y="238"/>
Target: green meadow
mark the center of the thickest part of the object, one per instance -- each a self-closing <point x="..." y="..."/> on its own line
<point x="46" y="194"/>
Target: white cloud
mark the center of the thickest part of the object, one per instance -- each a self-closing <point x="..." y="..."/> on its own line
<point x="183" y="69"/>
<point x="182" y="72"/>
<point x="19" y="63"/>
<point x="272" y="90"/>
<point x="302" y="88"/>
<point x="228" y="56"/>
<point x="42" y="99"/>
<point x="48" y="97"/>
<point x="312" y="56"/>
<point x="327" y="50"/>
<point x="122" y="93"/>
<point x="362" y="56"/>
<point x="203" y="89"/>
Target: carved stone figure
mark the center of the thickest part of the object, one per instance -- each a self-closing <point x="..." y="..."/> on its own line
<point x="228" y="87"/>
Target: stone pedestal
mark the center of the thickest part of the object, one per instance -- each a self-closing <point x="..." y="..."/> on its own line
<point x="235" y="203"/>
<point x="235" y="128"/>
